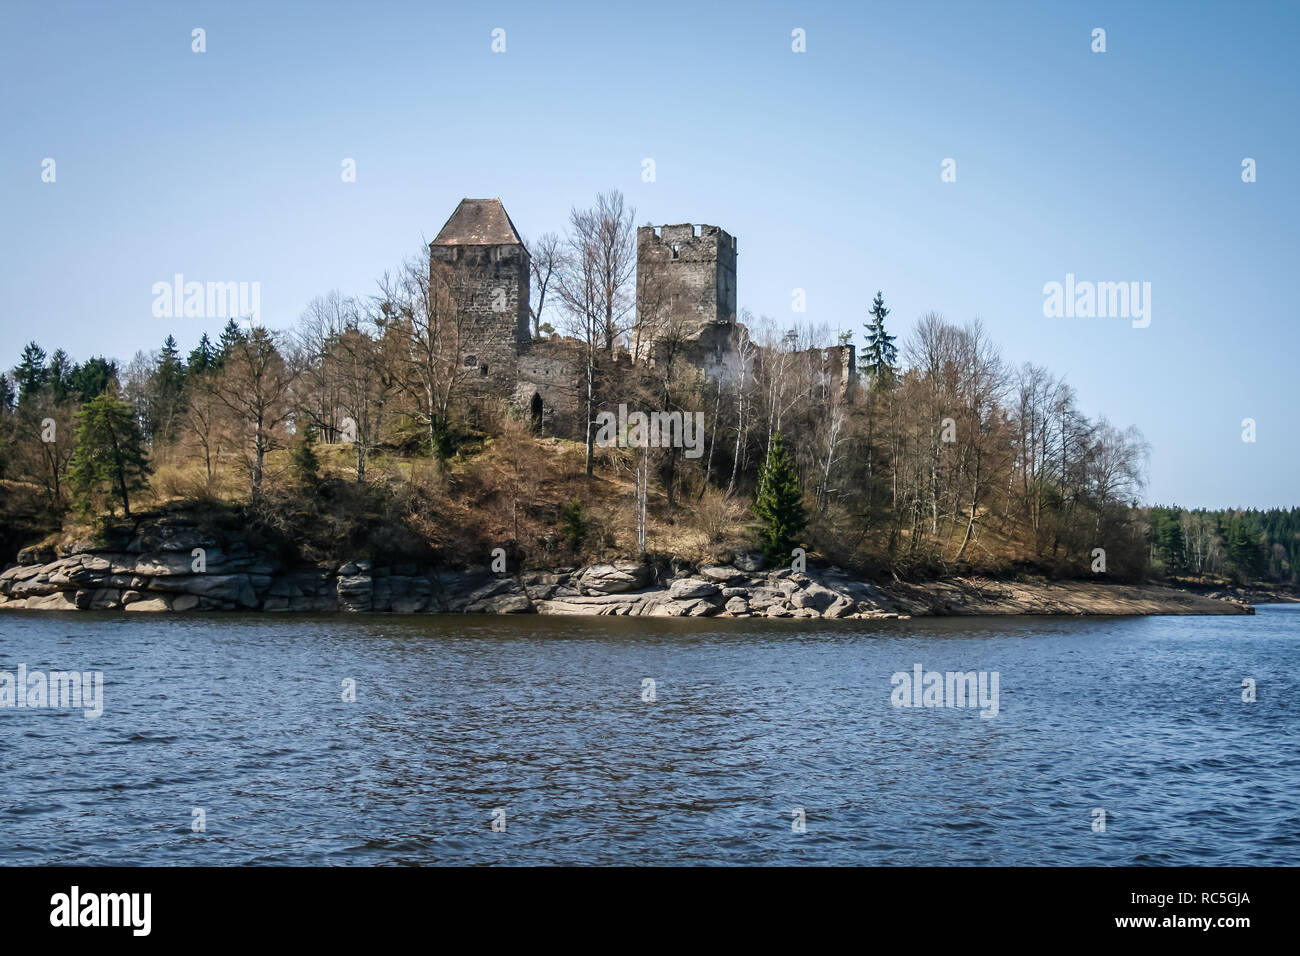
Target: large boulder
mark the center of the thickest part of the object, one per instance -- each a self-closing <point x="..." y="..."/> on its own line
<point x="62" y="601"/>
<point x="618" y="578"/>
<point x="762" y="598"/>
<point x="150" y="604"/>
<point x="686" y="608"/>
<point x="842" y="607"/>
<point x="685" y="588"/>
<point x="22" y="572"/>
<point x="502" y="596"/>
<point x="37" y="586"/>
<point x="814" y="597"/>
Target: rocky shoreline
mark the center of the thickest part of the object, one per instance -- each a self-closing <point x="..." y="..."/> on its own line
<point x="177" y="569"/>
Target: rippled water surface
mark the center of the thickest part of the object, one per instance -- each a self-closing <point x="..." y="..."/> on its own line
<point x="544" y="718"/>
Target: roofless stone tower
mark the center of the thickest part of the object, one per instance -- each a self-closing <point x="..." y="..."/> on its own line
<point x="686" y="293"/>
<point x="700" y="261"/>
<point x="480" y="256"/>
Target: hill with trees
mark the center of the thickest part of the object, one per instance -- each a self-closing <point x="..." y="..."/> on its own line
<point x="351" y="433"/>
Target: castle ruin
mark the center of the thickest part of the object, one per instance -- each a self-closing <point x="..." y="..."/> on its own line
<point x="685" y="307"/>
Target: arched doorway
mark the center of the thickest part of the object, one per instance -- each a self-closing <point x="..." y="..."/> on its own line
<point x="535" y="411"/>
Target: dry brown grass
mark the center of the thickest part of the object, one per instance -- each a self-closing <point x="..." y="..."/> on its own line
<point x="510" y="491"/>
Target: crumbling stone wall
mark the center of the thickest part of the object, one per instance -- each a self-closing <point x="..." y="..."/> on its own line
<point x="550" y="386"/>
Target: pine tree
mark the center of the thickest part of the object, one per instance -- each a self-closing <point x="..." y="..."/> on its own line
<point x="93" y="377"/>
<point x="1242" y="541"/>
<point x="60" y="374"/>
<point x="166" y="393"/>
<point x="231" y="336"/>
<point x="31" y="373"/>
<point x="1167" y="537"/>
<point x="881" y="355"/>
<point x="204" y="355"/>
<point x="303" y="461"/>
<point x="779" y="504"/>
<point x="575" y="524"/>
<point x="110" y="456"/>
<point x="171" y="369"/>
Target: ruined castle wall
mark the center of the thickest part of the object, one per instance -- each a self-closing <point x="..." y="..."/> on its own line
<point x="554" y="371"/>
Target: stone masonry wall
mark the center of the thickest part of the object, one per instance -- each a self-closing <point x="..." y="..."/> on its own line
<point x="704" y="266"/>
<point x="490" y="286"/>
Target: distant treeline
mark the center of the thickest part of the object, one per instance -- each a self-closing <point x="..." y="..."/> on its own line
<point x="1246" y="545"/>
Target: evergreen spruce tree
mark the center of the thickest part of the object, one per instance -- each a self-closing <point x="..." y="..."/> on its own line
<point x="881" y="355"/>
<point x="204" y="355"/>
<point x="879" y="358"/>
<point x="171" y="370"/>
<point x="303" y="461"/>
<point x="60" y="374"/>
<point x="1167" y="537"/>
<point x="110" y="457"/>
<point x="93" y="377"/>
<point x="231" y="336"/>
<point x="779" y="504"/>
<point x="575" y="524"/>
<point x="31" y="373"/>
<point x="1242" y="542"/>
<point x="166" y="393"/>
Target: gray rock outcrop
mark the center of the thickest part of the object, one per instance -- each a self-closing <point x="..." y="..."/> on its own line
<point x="178" y="569"/>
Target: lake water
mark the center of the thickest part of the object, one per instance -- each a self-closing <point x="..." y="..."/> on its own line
<point x="543" y="721"/>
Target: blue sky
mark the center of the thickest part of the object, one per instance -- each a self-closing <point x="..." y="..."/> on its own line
<point x="1122" y="166"/>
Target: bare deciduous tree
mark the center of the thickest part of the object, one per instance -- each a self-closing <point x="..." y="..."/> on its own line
<point x="254" y="385"/>
<point x="546" y="258"/>
<point x="595" y="285"/>
<point x="427" y="335"/>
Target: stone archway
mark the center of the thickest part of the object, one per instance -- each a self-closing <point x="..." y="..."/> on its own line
<point x="535" y="412"/>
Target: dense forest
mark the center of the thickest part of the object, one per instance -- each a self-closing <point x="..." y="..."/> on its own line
<point x="355" y="431"/>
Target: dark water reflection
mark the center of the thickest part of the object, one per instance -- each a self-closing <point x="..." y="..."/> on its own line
<point x="544" y="718"/>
